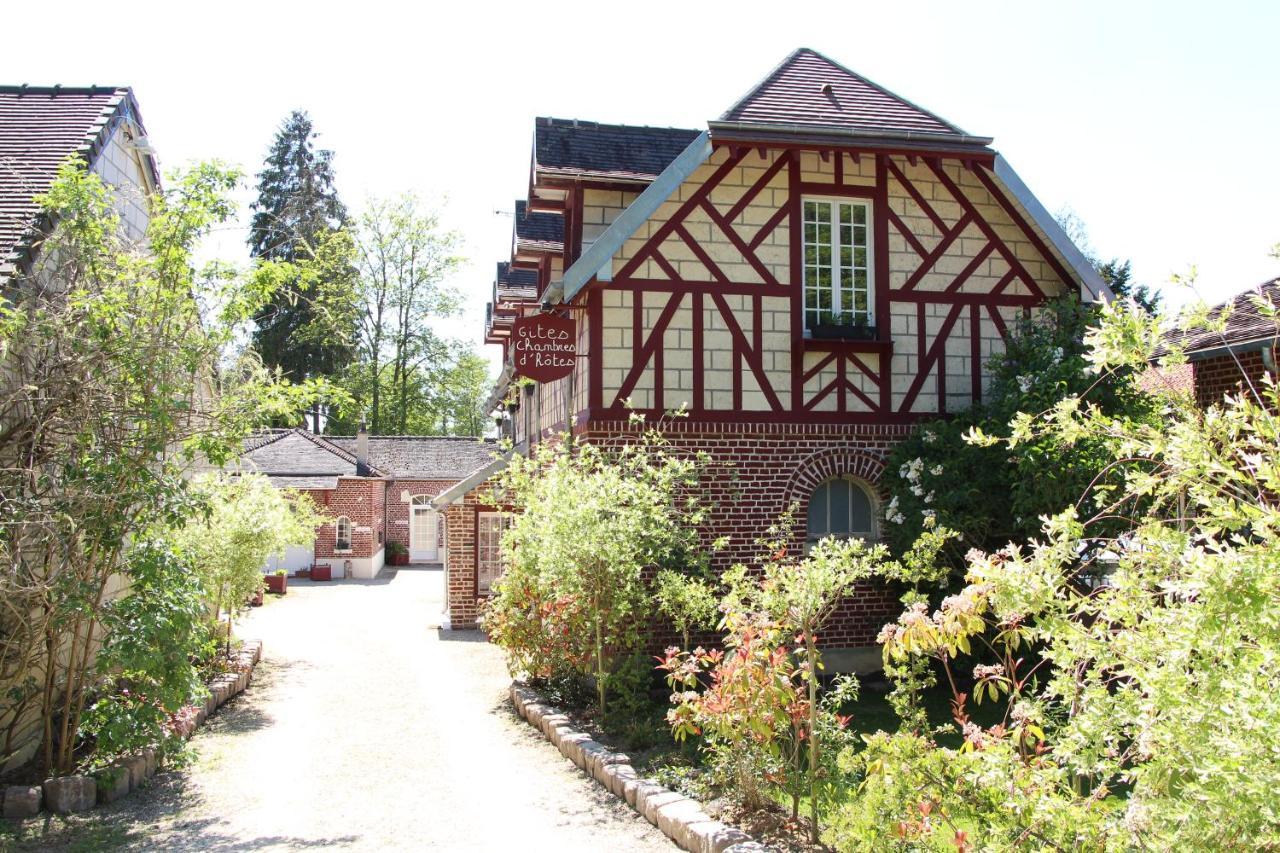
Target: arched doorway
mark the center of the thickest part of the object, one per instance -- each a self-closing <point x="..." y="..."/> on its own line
<point x="424" y="531"/>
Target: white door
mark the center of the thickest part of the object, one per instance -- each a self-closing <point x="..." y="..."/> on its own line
<point x="424" y="535"/>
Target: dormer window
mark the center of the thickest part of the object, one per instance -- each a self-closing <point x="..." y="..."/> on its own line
<point x="837" y="269"/>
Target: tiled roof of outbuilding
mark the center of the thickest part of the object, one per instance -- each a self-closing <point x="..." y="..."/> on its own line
<point x="423" y="457"/>
<point x="574" y="148"/>
<point x="297" y="454"/>
<point x="540" y="229"/>
<point x="810" y="91"/>
<point x="40" y="127"/>
<point x="1245" y="321"/>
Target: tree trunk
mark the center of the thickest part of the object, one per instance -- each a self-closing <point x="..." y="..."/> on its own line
<point x="812" y="652"/>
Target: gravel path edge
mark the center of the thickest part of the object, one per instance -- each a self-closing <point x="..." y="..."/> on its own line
<point x="678" y="817"/>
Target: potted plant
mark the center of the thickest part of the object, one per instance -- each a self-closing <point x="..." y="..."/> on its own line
<point x="397" y="554"/>
<point x="843" y="325"/>
<point x="322" y="572"/>
<point x="278" y="582"/>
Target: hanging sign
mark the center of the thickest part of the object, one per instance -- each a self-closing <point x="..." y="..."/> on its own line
<point x="544" y="347"/>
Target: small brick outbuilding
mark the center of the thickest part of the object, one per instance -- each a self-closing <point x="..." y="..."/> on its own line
<point x="375" y="490"/>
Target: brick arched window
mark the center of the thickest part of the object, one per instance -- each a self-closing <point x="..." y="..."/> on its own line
<point x="342" y="534"/>
<point x="843" y="507"/>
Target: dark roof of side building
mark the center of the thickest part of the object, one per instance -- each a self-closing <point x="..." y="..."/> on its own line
<point x="1246" y="321"/>
<point x="573" y="148"/>
<point x="297" y="458"/>
<point x="808" y="91"/>
<point x="512" y="283"/>
<point x="542" y="229"/>
<point x="423" y="457"/>
<point x="40" y="128"/>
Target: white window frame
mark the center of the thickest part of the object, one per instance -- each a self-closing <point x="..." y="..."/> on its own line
<point x="491" y="551"/>
<point x="833" y="204"/>
<point x="337" y="535"/>
<point x="873" y="535"/>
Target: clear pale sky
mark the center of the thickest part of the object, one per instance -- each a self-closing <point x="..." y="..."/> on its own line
<point x="1158" y="123"/>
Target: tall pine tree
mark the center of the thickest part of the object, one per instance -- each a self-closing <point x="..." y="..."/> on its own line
<point x="307" y="330"/>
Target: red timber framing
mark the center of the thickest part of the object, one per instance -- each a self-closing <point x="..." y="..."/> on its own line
<point x="840" y="381"/>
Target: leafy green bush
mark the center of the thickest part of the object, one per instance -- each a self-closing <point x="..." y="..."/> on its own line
<point x="994" y="494"/>
<point x="587" y="522"/>
<point x="1152" y="723"/>
<point x="155" y="634"/>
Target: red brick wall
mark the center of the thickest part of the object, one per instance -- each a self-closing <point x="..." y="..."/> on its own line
<point x="359" y="500"/>
<point x="460" y="530"/>
<point x="398" y="510"/>
<point x="757" y="470"/>
<point x="1215" y="377"/>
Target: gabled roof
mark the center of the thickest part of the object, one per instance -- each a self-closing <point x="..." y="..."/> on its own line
<point x="810" y="93"/>
<point x="40" y="128"/>
<point x="1245" y="322"/>
<point x="539" y="230"/>
<point x="297" y="459"/>
<point x="573" y="148"/>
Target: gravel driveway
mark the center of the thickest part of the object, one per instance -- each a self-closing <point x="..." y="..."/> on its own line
<point x="367" y="728"/>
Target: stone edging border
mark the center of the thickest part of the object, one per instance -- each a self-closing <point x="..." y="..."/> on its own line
<point x="678" y="817"/>
<point x="68" y="794"/>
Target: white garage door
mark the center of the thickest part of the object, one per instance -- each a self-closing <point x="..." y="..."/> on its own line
<point x="295" y="557"/>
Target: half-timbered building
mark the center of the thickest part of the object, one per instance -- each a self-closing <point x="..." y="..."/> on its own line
<point x="821" y="268"/>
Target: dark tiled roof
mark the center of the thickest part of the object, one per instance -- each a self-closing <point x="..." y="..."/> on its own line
<point x="40" y="127"/>
<point x="542" y="229"/>
<point x="512" y="283"/>
<point x="424" y="457"/>
<point x="296" y="453"/>
<point x="1245" y="323"/>
<point x="810" y="91"/>
<point x="586" y="148"/>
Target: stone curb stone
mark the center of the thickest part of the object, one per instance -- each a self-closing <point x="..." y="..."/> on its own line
<point x="150" y="762"/>
<point x="674" y="818"/>
<point x="137" y="767"/>
<point x="69" y="794"/>
<point x="113" y="783"/>
<point x="656" y="801"/>
<point x="629" y="788"/>
<point x="22" y="801"/>
<point x="717" y="837"/>
<point x="678" y="817"/>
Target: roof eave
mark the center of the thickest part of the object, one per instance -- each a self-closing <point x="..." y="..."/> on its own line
<point x="1090" y="280"/>
<point x="721" y="129"/>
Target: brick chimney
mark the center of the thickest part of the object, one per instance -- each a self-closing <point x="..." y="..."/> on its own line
<point x="362" y="451"/>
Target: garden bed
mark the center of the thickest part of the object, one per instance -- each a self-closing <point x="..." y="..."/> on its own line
<point x="680" y="818"/>
<point x="81" y="792"/>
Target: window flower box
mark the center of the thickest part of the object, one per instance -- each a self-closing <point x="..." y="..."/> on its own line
<point x="848" y="330"/>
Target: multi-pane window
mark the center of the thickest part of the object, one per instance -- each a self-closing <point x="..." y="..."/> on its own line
<point x="342" y="534"/>
<point x="837" y="263"/>
<point x="489" y="560"/>
<point x="841" y="508"/>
